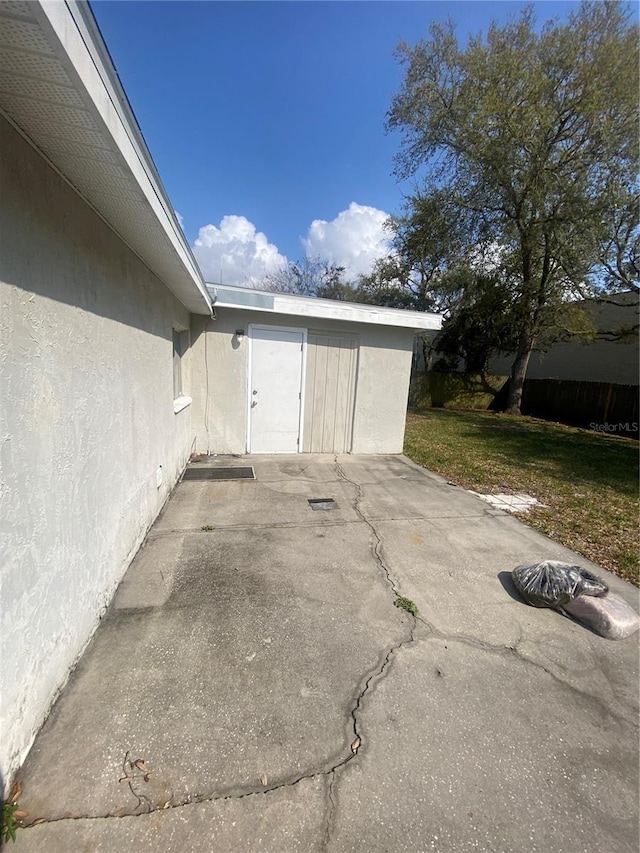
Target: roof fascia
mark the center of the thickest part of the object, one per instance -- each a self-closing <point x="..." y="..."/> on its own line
<point x="327" y="309"/>
<point x="75" y="29"/>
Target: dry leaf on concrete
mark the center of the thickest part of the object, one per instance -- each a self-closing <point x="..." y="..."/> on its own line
<point x="16" y="790"/>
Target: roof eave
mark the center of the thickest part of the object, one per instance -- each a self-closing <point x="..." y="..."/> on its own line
<point x="245" y="299"/>
<point x="75" y="44"/>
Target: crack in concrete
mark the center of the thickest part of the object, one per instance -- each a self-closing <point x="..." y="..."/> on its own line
<point x="377" y="539"/>
<point x="514" y="651"/>
<point x="473" y="641"/>
<point x="331" y="806"/>
<point x="369" y="683"/>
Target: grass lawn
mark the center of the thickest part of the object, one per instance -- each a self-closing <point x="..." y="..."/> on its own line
<point x="589" y="481"/>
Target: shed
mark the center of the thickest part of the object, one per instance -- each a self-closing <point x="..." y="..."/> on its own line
<point x="277" y="373"/>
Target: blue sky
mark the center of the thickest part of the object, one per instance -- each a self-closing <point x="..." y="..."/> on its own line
<point x="271" y="114"/>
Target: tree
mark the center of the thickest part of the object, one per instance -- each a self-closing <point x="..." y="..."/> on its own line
<point x="404" y="277"/>
<point x="309" y="277"/>
<point x="620" y="243"/>
<point x="480" y="324"/>
<point x="386" y="285"/>
<point x="529" y="140"/>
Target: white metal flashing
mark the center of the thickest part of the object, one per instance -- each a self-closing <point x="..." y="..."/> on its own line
<point x="248" y="299"/>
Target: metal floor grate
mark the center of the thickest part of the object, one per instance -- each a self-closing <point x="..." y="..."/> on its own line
<point x="322" y="503"/>
<point x="201" y="472"/>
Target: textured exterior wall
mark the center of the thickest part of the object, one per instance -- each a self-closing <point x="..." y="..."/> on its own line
<point x="382" y="390"/>
<point x="219" y="380"/>
<point x="86" y="419"/>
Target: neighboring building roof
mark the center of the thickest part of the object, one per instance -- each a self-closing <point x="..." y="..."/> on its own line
<point x="244" y="298"/>
<point x="59" y="88"/>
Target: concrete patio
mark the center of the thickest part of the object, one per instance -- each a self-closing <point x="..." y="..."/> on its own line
<point x="274" y="698"/>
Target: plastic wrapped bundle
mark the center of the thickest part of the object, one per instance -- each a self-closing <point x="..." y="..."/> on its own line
<point x="611" y="616"/>
<point x="555" y="584"/>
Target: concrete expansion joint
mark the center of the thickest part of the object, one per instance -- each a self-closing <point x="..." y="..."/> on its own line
<point x="289" y="480"/>
<point x="221" y="528"/>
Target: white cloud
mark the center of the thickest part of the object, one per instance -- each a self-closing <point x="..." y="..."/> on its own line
<point x="353" y="240"/>
<point x="179" y="218"/>
<point x="244" y="255"/>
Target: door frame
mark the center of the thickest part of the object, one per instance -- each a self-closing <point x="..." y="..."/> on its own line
<point x="303" y="369"/>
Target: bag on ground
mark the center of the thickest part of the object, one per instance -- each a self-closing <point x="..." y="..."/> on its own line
<point x="554" y="584"/>
<point x="611" y="616"/>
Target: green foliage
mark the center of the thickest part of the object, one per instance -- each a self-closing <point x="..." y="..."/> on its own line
<point x="406" y="604"/>
<point x="310" y="277"/>
<point x="206" y="528"/>
<point x="480" y="323"/>
<point x="451" y="390"/>
<point x="385" y="285"/>
<point x="529" y="141"/>
<point x="9" y="821"/>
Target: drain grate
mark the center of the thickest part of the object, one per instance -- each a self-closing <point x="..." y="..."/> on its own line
<point x="200" y="472"/>
<point x="323" y="503"/>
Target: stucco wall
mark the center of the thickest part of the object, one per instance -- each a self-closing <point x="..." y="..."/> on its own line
<point x="219" y="380"/>
<point x="86" y="419"/>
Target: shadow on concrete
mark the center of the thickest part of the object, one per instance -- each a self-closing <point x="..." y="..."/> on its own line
<point x="507" y="584"/>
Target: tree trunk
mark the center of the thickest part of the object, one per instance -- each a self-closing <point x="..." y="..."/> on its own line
<point x="519" y="372"/>
<point x="427" y="354"/>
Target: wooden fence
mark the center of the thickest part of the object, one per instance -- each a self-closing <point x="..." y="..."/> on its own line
<point x="601" y="406"/>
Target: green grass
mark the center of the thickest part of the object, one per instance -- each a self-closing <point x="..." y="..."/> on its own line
<point x="406" y="604"/>
<point x="589" y="481"/>
<point x="9" y="822"/>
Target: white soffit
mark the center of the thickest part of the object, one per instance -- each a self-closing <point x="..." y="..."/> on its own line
<point x="60" y="89"/>
<point x="244" y="298"/>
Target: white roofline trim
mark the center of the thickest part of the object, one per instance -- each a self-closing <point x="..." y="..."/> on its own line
<point x="75" y="189"/>
<point x="97" y="47"/>
<point x="249" y="299"/>
<point x="72" y="26"/>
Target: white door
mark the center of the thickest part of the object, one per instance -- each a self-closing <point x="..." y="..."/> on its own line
<point x="275" y="389"/>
